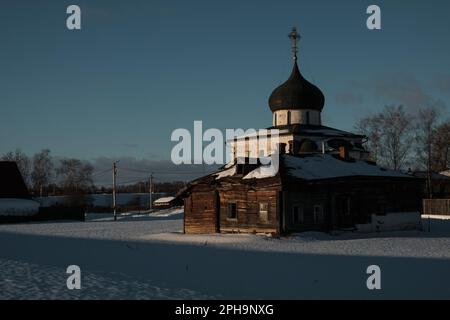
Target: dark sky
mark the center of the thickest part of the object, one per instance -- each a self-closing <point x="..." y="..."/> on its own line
<point x="140" y="69"/>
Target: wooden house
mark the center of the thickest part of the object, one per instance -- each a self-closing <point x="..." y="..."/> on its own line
<point x="324" y="180"/>
<point x="167" y="202"/>
<point x="309" y="192"/>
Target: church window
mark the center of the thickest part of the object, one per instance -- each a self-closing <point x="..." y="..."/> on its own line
<point x="297" y="214"/>
<point x="318" y="214"/>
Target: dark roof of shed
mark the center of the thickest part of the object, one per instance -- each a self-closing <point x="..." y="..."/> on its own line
<point x="11" y="181"/>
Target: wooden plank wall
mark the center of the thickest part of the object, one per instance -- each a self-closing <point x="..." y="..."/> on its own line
<point x="248" y="219"/>
<point x="200" y="213"/>
<point x="436" y="206"/>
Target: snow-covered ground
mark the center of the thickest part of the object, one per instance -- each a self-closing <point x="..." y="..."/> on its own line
<point x="104" y="200"/>
<point x="147" y="257"/>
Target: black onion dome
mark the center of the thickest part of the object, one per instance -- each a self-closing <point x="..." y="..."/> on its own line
<point x="296" y="93"/>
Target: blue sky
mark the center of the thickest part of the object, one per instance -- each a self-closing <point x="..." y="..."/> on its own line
<point x="140" y="69"/>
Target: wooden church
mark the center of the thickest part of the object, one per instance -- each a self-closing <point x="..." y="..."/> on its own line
<point x="324" y="180"/>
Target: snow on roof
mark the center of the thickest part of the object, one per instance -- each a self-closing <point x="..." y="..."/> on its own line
<point x="262" y="172"/>
<point x="226" y="173"/>
<point x="325" y="166"/>
<point x="164" y="200"/>
<point x="229" y="164"/>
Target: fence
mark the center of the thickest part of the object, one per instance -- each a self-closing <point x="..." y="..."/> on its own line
<point x="436" y="206"/>
<point x="60" y="213"/>
<point x="48" y="214"/>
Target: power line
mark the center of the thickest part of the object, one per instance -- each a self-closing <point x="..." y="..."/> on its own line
<point x="100" y="172"/>
<point x="131" y="181"/>
<point x="163" y="172"/>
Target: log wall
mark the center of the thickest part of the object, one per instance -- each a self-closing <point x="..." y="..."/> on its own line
<point x="436" y="206"/>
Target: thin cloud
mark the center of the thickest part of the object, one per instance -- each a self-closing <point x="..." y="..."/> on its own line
<point x="132" y="170"/>
<point x="399" y="89"/>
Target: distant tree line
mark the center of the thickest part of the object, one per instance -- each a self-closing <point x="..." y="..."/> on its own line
<point x="45" y="175"/>
<point x="158" y="187"/>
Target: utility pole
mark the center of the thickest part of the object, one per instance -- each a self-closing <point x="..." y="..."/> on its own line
<point x="151" y="191"/>
<point x="114" y="189"/>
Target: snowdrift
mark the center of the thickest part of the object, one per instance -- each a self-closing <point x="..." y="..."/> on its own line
<point x="393" y="222"/>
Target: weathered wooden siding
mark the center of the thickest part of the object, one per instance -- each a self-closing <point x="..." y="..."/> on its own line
<point x="367" y="196"/>
<point x="436" y="206"/>
<point x="206" y="204"/>
<point x="305" y="200"/>
<point x="248" y="219"/>
<point x="200" y="213"/>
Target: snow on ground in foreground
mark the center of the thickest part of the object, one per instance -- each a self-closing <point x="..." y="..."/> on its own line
<point x="31" y="281"/>
<point x="147" y="256"/>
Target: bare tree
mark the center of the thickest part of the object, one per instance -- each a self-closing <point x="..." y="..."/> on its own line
<point x="42" y="170"/>
<point x="441" y="148"/>
<point x="76" y="176"/>
<point x="397" y="136"/>
<point x="425" y="131"/>
<point x="390" y="136"/>
<point x="371" y="128"/>
<point x="23" y="162"/>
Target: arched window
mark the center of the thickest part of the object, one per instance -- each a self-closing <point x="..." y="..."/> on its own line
<point x="275" y="119"/>
<point x="289" y="117"/>
<point x="307" y="117"/>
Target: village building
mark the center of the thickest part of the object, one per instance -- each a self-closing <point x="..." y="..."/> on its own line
<point x="16" y="203"/>
<point x="440" y="184"/>
<point x="167" y="202"/>
<point x="324" y="180"/>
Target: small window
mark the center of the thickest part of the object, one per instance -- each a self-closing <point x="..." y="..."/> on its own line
<point x="288" y="117"/>
<point x="318" y="214"/>
<point x="264" y="211"/>
<point x="297" y="214"/>
<point x="307" y="117"/>
<point x="275" y="119"/>
<point x="232" y="210"/>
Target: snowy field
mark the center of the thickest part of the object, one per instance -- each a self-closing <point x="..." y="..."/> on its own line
<point x="147" y="257"/>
